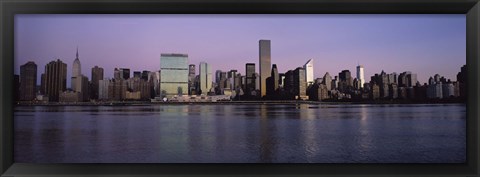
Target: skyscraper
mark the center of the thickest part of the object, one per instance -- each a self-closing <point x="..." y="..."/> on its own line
<point x="76" y="71"/>
<point x="309" y="71"/>
<point x="77" y="68"/>
<point x="28" y="81"/>
<point x="97" y="75"/>
<point x="265" y="64"/>
<point x="191" y="79"/>
<point x="125" y="73"/>
<point x="55" y="79"/>
<point x="249" y="77"/>
<point x="327" y="80"/>
<point x="173" y="74"/>
<point x="205" y="77"/>
<point x="360" y="75"/>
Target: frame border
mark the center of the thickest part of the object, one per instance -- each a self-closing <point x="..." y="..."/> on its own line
<point x="8" y="9"/>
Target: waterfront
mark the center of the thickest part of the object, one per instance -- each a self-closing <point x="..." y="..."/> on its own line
<point x="255" y="133"/>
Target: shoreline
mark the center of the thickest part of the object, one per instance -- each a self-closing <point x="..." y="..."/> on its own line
<point x="262" y="102"/>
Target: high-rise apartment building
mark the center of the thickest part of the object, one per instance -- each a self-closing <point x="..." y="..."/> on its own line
<point x="309" y="72"/>
<point x="205" y="71"/>
<point x="28" y="81"/>
<point x="173" y="75"/>
<point x="265" y="64"/>
<point x="55" y="79"/>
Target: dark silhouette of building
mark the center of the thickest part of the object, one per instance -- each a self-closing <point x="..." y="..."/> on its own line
<point x="272" y="82"/>
<point x="250" y="78"/>
<point x="299" y="84"/>
<point x="145" y="75"/>
<point x="16" y="87"/>
<point x="125" y="73"/>
<point x="345" y="80"/>
<point x="28" y="81"/>
<point x="137" y="74"/>
<point x="462" y="79"/>
<point x="97" y="75"/>
<point x="55" y="79"/>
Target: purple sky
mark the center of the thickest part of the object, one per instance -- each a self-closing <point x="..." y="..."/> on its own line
<point x="423" y="44"/>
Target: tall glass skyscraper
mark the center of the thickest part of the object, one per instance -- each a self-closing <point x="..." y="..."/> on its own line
<point x="309" y="71"/>
<point x="173" y="75"/>
<point x="265" y="65"/>
<point x="360" y="75"/>
<point x="205" y="77"/>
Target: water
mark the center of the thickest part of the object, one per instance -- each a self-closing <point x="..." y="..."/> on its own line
<point x="241" y="134"/>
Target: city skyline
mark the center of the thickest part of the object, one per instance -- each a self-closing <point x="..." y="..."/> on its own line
<point x="238" y="55"/>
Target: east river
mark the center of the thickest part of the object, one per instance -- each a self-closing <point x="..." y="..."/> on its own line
<point x="241" y="133"/>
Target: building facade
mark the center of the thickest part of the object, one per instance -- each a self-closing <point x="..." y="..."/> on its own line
<point x="361" y="75"/>
<point x="28" y="81"/>
<point x="309" y="72"/>
<point x="173" y="75"/>
<point x="55" y="79"/>
<point x="265" y="64"/>
<point x="205" y="71"/>
<point x="97" y="75"/>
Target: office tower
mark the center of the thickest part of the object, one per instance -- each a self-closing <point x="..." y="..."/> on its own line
<point x="327" y="80"/>
<point x="309" y="72"/>
<point x="360" y="75"/>
<point x="191" y="79"/>
<point x="145" y="75"/>
<point x="223" y="81"/>
<point x="82" y="86"/>
<point x="125" y="73"/>
<point x="137" y="74"/>
<point x="265" y="64"/>
<point x="154" y="80"/>
<point x="173" y="74"/>
<point x="288" y="83"/>
<point x="55" y="79"/>
<point x="205" y="71"/>
<point x="412" y="79"/>
<point x="249" y="77"/>
<point x="97" y="75"/>
<point x="103" y="89"/>
<point x="231" y="78"/>
<point x="257" y="81"/>
<point x="345" y="81"/>
<point x="217" y="76"/>
<point x="28" y="81"/>
<point x="117" y="74"/>
<point x="392" y="78"/>
<point x="274" y="75"/>
<point x="299" y="83"/>
<point x="272" y="81"/>
<point x="76" y="70"/>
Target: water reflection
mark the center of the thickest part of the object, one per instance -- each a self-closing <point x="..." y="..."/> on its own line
<point x="241" y="134"/>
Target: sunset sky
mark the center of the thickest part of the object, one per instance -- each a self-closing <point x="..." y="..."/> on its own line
<point x="423" y="44"/>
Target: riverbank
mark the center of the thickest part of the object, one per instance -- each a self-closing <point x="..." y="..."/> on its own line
<point x="143" y="103"/>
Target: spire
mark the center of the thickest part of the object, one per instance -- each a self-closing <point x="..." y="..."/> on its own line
<point x="77" y="51"/>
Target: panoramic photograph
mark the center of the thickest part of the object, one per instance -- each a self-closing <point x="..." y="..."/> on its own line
<point x="249" y="88"/>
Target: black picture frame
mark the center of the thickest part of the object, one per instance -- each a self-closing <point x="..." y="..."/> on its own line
<point x="8" y="9"/>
